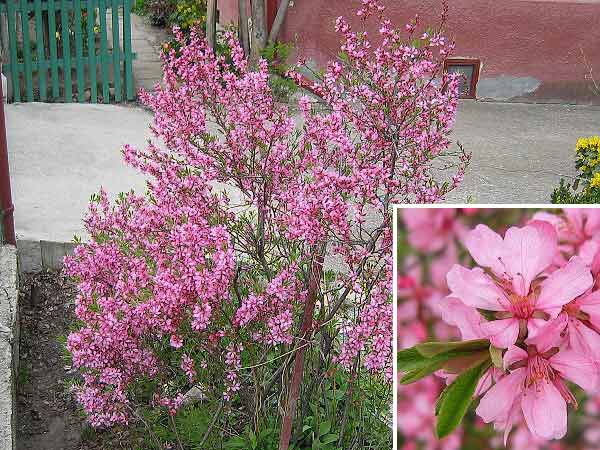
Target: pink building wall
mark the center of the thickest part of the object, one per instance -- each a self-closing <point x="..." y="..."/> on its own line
<point x="530" y="49"/>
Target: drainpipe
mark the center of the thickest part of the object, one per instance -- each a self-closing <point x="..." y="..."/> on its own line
<point x="6" y="206"/>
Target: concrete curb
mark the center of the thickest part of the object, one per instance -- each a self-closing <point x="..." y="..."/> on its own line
<point x="35" y="256"/>
<point x="9" y="345"/>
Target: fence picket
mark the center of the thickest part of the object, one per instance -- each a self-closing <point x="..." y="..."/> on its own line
<point x="91" y="39"/>
<point x="27" y="51"/>
<point x="12" y="31"/>
<point x="104" y="51"/>
<point x="127" y="49"/>
<point x="78" y="50"/>
<point x="39" y="39"/>
<point x="65" y="37"/>
<point x="53" y="49"/>
<point x="116" y="50"/>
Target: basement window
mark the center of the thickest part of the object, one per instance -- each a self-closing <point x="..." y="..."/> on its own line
<point x="469" y="69"/>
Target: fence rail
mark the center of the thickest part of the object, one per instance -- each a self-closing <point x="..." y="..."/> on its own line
<point x="68" y="49"/>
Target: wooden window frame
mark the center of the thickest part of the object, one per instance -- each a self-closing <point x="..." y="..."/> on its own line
<point x="476" y="63"/>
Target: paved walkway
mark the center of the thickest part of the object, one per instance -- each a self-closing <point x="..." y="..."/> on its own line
<point x="61" y="153"/>
<point x="520" y="151"/>
<point x="146" y="42"/>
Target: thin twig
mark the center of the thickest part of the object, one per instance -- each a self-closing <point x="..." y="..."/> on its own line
<point x="212" y="424"/>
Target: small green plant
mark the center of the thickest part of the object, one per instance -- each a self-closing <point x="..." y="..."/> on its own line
<point x="276" y="54"/>
<point x="23" y="377"/>
<point x="566" y="194"/>
<point x="189" y="13"/>
<point x="267" y="439"/>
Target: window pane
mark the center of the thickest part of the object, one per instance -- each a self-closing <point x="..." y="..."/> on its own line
<point x="464" y="88"/>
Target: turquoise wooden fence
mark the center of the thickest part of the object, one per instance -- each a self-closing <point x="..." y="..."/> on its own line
<point x="68" y="50"/>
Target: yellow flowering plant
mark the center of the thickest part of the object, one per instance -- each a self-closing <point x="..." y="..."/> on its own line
<point x="189" y="13"/>
<point x="587" y="159"/>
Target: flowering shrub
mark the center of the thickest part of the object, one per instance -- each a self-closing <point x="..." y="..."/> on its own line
<point x="262" y="248"/>
<point x="511" y="297"/>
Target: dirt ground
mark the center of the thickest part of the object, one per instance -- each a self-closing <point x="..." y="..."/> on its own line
<point x="48" y="417"/>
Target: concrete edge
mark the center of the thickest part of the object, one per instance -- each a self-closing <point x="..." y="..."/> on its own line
<point x="9" y="344"/>
<point x="35" y="256"/>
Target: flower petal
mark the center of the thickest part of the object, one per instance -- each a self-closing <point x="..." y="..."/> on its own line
<point x="501" y="333"/>
<point x="590" y="304"/>
<point x="496" y="404"/>
<point x="564" y="285"/>
<point x="578" y="368"/>
<point x="474" y="288"/>
<point x="513" y="355"/>
<point x="485" y="246"/>
<point x="550" y="335"/>
<point x="467" y="319"/>
<point x="583" y="339"/>
<point x="527" y="252"/>
<point x="545" y="411"/>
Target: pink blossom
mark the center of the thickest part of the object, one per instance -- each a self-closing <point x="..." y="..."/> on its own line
<point x="516" y="290"/>
<point x="430" y="230"/>
<point x="535" y="386"/>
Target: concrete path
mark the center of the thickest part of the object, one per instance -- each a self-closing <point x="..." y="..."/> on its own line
<point x="61" y="153"/>
<point x="520" y="151"/>
<point x="146" y="42"/>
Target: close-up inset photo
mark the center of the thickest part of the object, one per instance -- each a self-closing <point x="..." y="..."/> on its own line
<point x="498" y="328"/>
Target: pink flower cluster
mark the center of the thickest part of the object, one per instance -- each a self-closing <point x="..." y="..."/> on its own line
<point x="539" y="292"/>
<point x="531" y="290"/>
<point x="213" y="265"/>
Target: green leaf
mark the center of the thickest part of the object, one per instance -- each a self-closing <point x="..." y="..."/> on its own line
<point x="328" y="439"/>
<point x="416" y="374"/>
<point x="454" y="401"/>
<point x="324" y="428"/>
<point x="464" y="362"/>
<point x="431" y="349"/>
<point x="496" y="355"/>
<point x="410" y="359"/>
<point x="416" y="366"/>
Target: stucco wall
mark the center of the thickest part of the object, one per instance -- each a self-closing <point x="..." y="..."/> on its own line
<point x="530" y="49"/>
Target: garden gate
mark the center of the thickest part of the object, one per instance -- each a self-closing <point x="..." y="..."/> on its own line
<point x="67" y="50"/>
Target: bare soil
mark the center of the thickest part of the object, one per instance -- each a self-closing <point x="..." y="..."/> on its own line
<point x="48" y="416"/>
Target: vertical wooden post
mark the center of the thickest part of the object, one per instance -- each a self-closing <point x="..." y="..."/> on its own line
<point x="211" y="23"/>
<point x="12" y="32"/>
<point x="53" y="50"/>
<point x="79" y="51"/>
<point x="66" y="50"/>
<point x="259" y="29"/>
<point x="27" y="50"/>
<point x="116" y="50"/>
<point x="4" y="37"/>
<point x="104" y="61"/>
<point x="91" y="44"/>
<point x="128" y="69"/>
<point x="244" y="36"/>
<point x="275" y="25"/>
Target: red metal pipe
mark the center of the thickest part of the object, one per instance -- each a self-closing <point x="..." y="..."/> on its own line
<point x="6" y="205"/>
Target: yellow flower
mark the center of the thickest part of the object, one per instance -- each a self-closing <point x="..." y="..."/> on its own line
<point x="595" y="180"/>
<point x="586" y="143"/>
